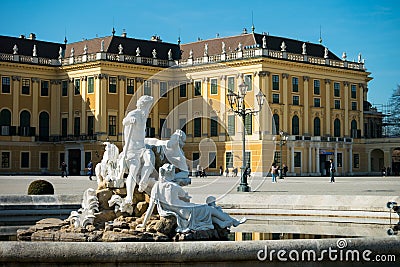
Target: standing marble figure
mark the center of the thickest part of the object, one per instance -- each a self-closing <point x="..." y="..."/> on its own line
<point x="135" y="155"/>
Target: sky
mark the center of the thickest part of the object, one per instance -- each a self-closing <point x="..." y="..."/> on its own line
<point x="371" y="28"/>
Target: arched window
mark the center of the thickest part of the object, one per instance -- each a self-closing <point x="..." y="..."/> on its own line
<point x="336" y="128"/>
<point x="354" y="129"/>
<point x="275" y="124"/>
<point x="44" y="126"/>
<point x="24" y="123"/>
<point x="5" y="117"/>
<point x="295" y="125"/>
<point x="317" y="126"/>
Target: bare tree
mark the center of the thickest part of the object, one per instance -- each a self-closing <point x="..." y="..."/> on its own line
<point x="393" y="118"/>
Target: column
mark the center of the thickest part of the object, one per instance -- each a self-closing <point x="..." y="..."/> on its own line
<point x="346" y="109"/>
<point x="309" y="159"/>
<point x="306" y="105"/>
<point x="222" y="116"/>
<point x="292" y="158"/>
<point x="265" y="114"/>
<point x="328" y="105"/>
<point x="369" y="161"/>
<point x="351" y="160"/>
<point x="121" y="106"/>
<point x="317" y="170"/>
<point x="189" y="126"/>
<point x="83" y="109"/>
<point x="285" y="118"/>
<point x="335" y="155"/>
<point x="15" y="105"/>
<point x="204" y="111"/>
<point x="70" y="105"/>
<point x="360" y="107"/>
<point x="55" y="107"/>
<point x="387" y="157"/>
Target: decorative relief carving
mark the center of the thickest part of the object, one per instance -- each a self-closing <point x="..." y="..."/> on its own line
<point x="306" y="78"/>
<point x="263" y="73"/>
<point x="346" y="83"/>
<point x="327" y="81"/>
<point x="122" y="77"/>
<point x="34" y="79"/>
<point x="83" y="78"/>
<point x="285" y="75"/>
<point x="16" y="78"/>
<point x="139" y="79"/>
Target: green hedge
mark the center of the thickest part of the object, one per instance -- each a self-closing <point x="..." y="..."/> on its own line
<point x="40" y="187"/>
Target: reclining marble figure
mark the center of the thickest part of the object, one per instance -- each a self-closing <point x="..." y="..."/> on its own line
<point x="171" y="199"/>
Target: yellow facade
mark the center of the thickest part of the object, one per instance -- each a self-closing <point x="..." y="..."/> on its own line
<point x="87" y="98"/>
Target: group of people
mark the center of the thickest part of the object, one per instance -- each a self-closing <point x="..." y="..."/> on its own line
<point x="234" y="171"/>
<point x="387" y="171"/>
<point x="64" y="169"/>
<point x="200" y="172"/>
<point x="276" y="170"/>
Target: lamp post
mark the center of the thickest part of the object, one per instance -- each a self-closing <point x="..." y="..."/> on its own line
<point x="238" y="106"/>
<point x="283" y="139"/>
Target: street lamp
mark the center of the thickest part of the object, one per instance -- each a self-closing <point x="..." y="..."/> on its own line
<point x="283" y="139"/>
<point x="238" y="106"/>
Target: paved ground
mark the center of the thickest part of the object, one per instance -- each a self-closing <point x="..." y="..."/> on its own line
<point x="377" y="186"/>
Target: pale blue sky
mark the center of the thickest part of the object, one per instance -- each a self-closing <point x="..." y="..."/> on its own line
<point x="371" y="28"/>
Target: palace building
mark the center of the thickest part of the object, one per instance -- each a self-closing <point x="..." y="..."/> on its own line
<point x="62" y="101"/>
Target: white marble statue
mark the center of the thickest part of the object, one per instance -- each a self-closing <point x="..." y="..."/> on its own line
<point x="304" y="46"/>
<point x="205" y="50"/>
<point x="85" y="215"/>
<point x="154" y="53"/>
<point x="85" y="49"/>
<point x="359" y="58"/>
<point x="138" y="51"/>
<point x="240" y="47"/>
<point x="344" y="56"/>
<point x="326" y="52"/>
<point x="223" y="48"/>
<point x="171" y="199"/>
<point x="108" y="169"/>
<point x="72" y="52"/>
<point x="135" y="155"/>
<point x="191" y="53"/>
<point x="60" y="53"/>
<point x="102" y="46"/>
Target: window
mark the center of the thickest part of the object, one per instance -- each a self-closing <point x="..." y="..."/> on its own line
<point x="248" y="80"/>
<point x="90" y="125"/>
<point x="64" y="127"/>
<point x="231" y="84"/>
<point x="339" y="159"/>
<point x="5" y="85"/>
<point x="336" y="89"/>
<point x="295" y="84"/>
<point x="197" y="127"/>
<point x="214" y="86"/>
<point x="353" y="129"/>
<point x="77" y="126"/>
<point x="182" y="125"/>
<point x="297" y="159"/>
<point x="130" y="86"/>
<point x="275" y="82"/>
<point x="317" y="86"/>
<point x="212" y="160"/>
<point x="112" y="85"/>
<point x="5" y="117"/>
<point x="90" y="88"/>
<point x="277" y="157"/>
<point x="44" y="160"/>
<point x="317" y="126"/>
<point x="337" y="104"/>
<point x="77" y="86"/>
<point x="295" y="125"/>
<point x="24" y="160"/>
<point x="26" y="87"/>
<point x="275" y="124"/>
<point x="163" y="89"/>
<point x="214" y="126"/>
<point x="231" y="125"/>
<point x="353" y="91"/>
<point x="147" y="88"/>
<point x="197" y="88"/>
<point x="353" y="105"/>
<point x="182" y="90"/>
<point x="64" y="88"/>
<point x="317" y="102"/>
<point x="88" y="157"/>
<point x="44" y="88"/>
<point x="5" y="160"/>
<point x="249" y="124"/>
<point x="228" y="160"/>
<point x="112" y="125"/>
<point x="44" y="126"/>
<point x="195" y="157"/>
<point x="296" y="100"/>
<point x="336" y="128"/>
<point x="24" y="123"/>
<point x="356" y="161"/>
<point x="275" y="98"/>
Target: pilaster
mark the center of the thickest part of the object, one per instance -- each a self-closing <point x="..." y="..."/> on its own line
<point x="285" y="117"/>
<point x="307" y="128"/>
<point x="328" y="104"/>
<point x="35" y="102"/>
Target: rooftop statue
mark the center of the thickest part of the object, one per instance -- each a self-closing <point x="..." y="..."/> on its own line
<point x="15" y="50"/>
<point x="102" y="46"/>
<point x="304" y="49"/>
<point x="326" y="52"/>
<point x="120" y="49"/>
<point x="283" y="46"/>
<point x="170" y="54"/>
<point x="264" y="42"/>
<point x="138" y="51"/>
<point x="223" y="48"/>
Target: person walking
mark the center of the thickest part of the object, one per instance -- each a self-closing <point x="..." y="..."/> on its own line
<point x="332" y="170"/>
<point x="227" y="172"/>
<point x="274" y="172"/>
<point x="221" y="171"/>
<point x="64" y="170"/>
<point x="90" y="169"/>
<point x="198" y="170"/>
<point x="285" y="170"/>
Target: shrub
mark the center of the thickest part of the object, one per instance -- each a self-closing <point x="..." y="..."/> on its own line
<point x="40" y="187"/>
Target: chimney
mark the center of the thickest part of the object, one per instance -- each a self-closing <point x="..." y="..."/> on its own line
<point x="123" y="33"/>
<point x="22" y="36"/>
<point x="32" y="36"/>
<point x="156" y="38"/>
